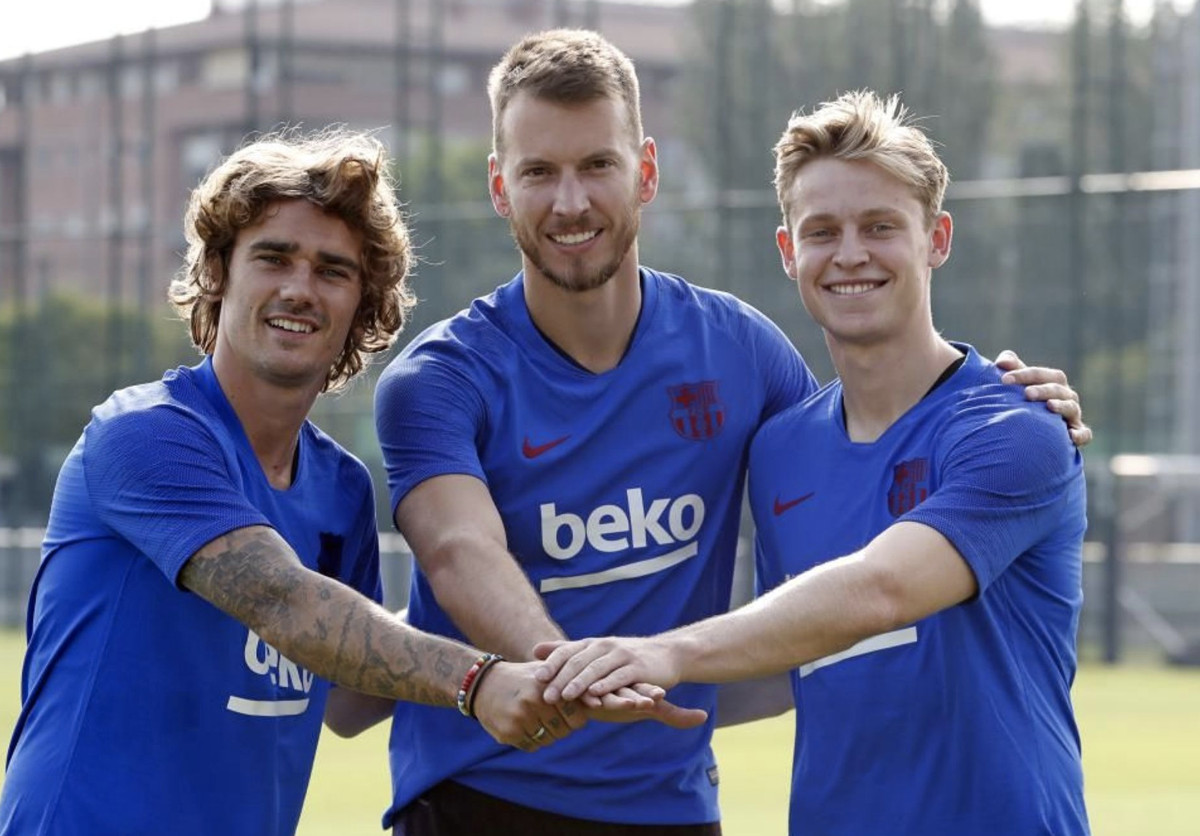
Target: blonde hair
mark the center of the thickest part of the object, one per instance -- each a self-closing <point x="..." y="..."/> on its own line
<point x="861" y="126"/>
<point x="564" y="66"/>
<point x="343" y="173"/>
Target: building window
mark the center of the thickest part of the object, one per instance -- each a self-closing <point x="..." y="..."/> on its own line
<point x="91" y="85"/>
<point x="190" y="70"/>
<point x="266" y="72"/>
<point x="166" y="76"/>
<point x="61" y="85"/>
<point x="360" y="71"/>
<point x="131" y="81"/>
<point x="225" y="68"/>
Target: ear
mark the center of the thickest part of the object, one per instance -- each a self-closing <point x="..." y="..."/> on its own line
<point x="648" y="171"/>
<point x="787" y="251"/>
<point x="940" y="236"/>
<point x="496" y="188"/>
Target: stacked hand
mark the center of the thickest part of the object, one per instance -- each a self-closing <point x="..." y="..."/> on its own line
<point x="592" y="670"/>
<point x="511" y="707"/>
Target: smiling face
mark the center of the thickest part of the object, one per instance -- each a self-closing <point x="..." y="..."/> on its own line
<point x="292" y="290"/>
<point x="572" y="182"/>
<point x="861" y="251"/>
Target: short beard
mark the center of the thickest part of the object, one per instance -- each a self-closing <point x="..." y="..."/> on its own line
<point x="577" y="281"/>
<point x="580" y="282"/>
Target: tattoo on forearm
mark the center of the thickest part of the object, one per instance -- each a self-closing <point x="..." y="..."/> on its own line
<point x="329" y="628"/>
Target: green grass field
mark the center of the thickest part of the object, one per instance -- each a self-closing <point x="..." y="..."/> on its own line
<point x="1141" y="747"/>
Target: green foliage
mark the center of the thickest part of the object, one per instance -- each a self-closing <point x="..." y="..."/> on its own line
<point x="759" y="61"/>
<point x="443" y="170"/>
<point x="755" y="63"/>
<point x="459" y="239"/>
<point x="57" y="361"/>
<point x="1060" y="278"/>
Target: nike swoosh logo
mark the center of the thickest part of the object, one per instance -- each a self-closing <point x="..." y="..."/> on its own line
<point x="533" y="451"/>
<point x="780" y="507"/>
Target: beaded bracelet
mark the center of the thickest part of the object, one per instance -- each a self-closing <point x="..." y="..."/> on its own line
<point x="487" y="666"/>
<point x="466" y="691"/>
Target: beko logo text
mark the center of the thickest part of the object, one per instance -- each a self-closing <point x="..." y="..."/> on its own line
<point x="611" y="528"/>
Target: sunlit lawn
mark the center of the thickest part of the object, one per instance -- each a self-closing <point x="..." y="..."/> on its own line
<point x="1140" y="727"/>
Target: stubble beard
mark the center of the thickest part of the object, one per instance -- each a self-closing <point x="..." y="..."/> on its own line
<point x="578" y="280"/>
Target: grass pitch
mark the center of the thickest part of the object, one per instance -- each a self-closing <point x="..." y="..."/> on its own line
<point x="1141" y="755"/>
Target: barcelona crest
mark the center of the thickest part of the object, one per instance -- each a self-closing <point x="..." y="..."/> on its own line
<point x="697" y="413"/>
<point x="910" y="486"/>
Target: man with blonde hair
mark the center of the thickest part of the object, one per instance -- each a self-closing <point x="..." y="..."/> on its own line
<point x="210" y="553"/>
<point x="932" y="666"/>
<point x="567" y="458"/>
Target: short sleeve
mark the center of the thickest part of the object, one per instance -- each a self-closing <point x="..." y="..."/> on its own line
<point x="1007" y="481"/>
<point x="428" y="415"/>
<point x="786" y="378"/>
<point x="160" y="479"/>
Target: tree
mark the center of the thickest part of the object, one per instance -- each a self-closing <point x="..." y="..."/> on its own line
<point x="51" y="375"/>
<point x="754" y="62"/>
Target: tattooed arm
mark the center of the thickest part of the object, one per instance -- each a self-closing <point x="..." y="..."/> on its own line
<point x="253" y="575"/>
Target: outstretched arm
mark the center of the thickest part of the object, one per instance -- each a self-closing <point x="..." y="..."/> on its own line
<point x="906" y="573"/>
<point x="253" y="575"/>
<point x="1050" y="386"/>
<point x="349" y="713"/>
<point x="454" y="530"/>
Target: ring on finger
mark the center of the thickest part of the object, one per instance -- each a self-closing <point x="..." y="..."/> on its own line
<point x="539" y="734"/>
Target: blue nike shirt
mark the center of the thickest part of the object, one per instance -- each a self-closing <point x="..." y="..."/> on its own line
<point x="620" y="495"/>
<point x="960" y="724"/>
<point x="145" y="709"/>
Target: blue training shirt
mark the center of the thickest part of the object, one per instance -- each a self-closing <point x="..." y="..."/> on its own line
<point x="620" y="494"/>
<point x="144" y="708"/>
<point x="960" y="724"/>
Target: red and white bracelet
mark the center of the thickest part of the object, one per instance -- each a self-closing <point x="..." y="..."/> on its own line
<point x="470" y="683"/>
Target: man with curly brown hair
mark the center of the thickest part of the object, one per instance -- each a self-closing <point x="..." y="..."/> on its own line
<point x="211" y="557"/>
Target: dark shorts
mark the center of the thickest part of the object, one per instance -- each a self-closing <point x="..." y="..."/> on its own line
<point x="451" y="809"/>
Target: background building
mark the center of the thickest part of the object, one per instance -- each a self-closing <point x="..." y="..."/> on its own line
<point x="100" y="143"/>
<point x="1075" y="153"/>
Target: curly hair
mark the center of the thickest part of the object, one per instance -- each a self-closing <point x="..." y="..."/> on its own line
<point x="859" y="125"/>
<point x="342" y="172"/>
